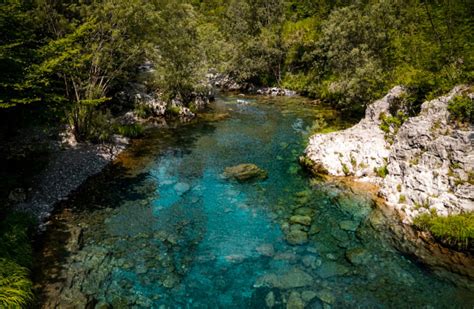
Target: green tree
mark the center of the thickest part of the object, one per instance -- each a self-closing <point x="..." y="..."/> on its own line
<point x="178" y="53"/>
<point x="87" y="56"/>
<point x="17" y="51"/>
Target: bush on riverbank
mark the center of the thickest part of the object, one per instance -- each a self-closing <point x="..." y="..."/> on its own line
<point x="15" y="285"/>
<point x="131" y="130"/>
<point x="454" y="230"/>
<point x="15" y="261"/>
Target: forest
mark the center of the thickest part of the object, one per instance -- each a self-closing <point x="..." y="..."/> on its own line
<point x="66" y="62"/>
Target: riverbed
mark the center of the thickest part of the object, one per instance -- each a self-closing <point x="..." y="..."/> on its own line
<point x="162" y="227"/>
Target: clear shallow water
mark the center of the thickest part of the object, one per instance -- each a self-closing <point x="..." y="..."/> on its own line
<point x="165" y="229"/>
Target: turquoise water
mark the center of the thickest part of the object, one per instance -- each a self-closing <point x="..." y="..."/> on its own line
<point x="164" y="229"/>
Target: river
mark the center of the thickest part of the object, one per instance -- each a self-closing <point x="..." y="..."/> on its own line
<point x="161" y="228"/>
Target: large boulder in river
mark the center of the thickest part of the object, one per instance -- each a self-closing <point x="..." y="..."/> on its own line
<point x="245" y="172"/>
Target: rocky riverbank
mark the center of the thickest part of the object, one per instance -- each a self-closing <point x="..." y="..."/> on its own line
<point x="68" y="166"/>
<point x="422" y="166"/>
<point x="70" y="163"/>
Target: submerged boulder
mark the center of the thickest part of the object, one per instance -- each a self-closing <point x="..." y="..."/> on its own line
<point x="293" y="278"/>
<point x="295" y="301"/>
<point x="245" y="172"/>
<point x="358" y="256"/>
<point x="300" y="219"/>
<point x="297" y="237"/>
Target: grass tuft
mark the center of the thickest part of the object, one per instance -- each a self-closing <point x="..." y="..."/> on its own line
<point x="455" y="230"/>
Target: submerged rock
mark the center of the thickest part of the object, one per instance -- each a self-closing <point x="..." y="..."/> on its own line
<point x="245" y="172"/>
<point x="295" y="301"/>
<point x="348" y="225"/>
<point x="314" y="230"/>
<point x="75" y="240"/>
<point x="311" y="261"/>
<point x="297" y="237"/>
<point x="326" y="296"/>
<point x="308" y="296"/>
<point x="181" y="187"/>
<point x="331" y="269"/>
<point x="270" y="299"/>
<point x="299" y="219"/>
<point x="358" y="256"/>
<point x="266" y="250"/>
<point x="293" y="278"/>
<point x="171" y="281"/>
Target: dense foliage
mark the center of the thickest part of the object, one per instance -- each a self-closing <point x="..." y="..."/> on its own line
<point x="73" y="56"/>
<point x="69" y="58"/>
<point x="346" y="52"/>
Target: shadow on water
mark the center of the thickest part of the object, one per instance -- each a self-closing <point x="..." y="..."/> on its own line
<point x="161" y="227"/>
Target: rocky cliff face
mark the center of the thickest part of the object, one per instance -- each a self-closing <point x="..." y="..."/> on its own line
<point x="430" y="163"/>
<point x="357" y="150"/>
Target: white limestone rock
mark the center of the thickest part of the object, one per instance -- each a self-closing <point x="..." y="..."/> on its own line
<point x="357" y="150"/>
<point x="429" y="162"/>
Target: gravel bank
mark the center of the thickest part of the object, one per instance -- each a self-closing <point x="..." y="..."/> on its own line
<point x="66" y="170"/>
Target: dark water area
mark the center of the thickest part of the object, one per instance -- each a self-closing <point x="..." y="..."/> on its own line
<point x="163" y="228"/>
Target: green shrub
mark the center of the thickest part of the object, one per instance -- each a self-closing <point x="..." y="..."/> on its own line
<point x="461" y="108"/>
<point x="402" y="199"/>
<point x="391" y="124"/>
<point x="143" y="110"/>
<point x="381" y="171"/>
<point x="131" y="130"/>
<point x="173" y="110"/>
<point x="345" y="169"/>
<point x="353" y="160"/>
<point x="15" y="259"/>
<point x="15" y="285"/>
<point x="100" y="128"/>
<point x="455" y="230"/>
<point x="422" y="221"/>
